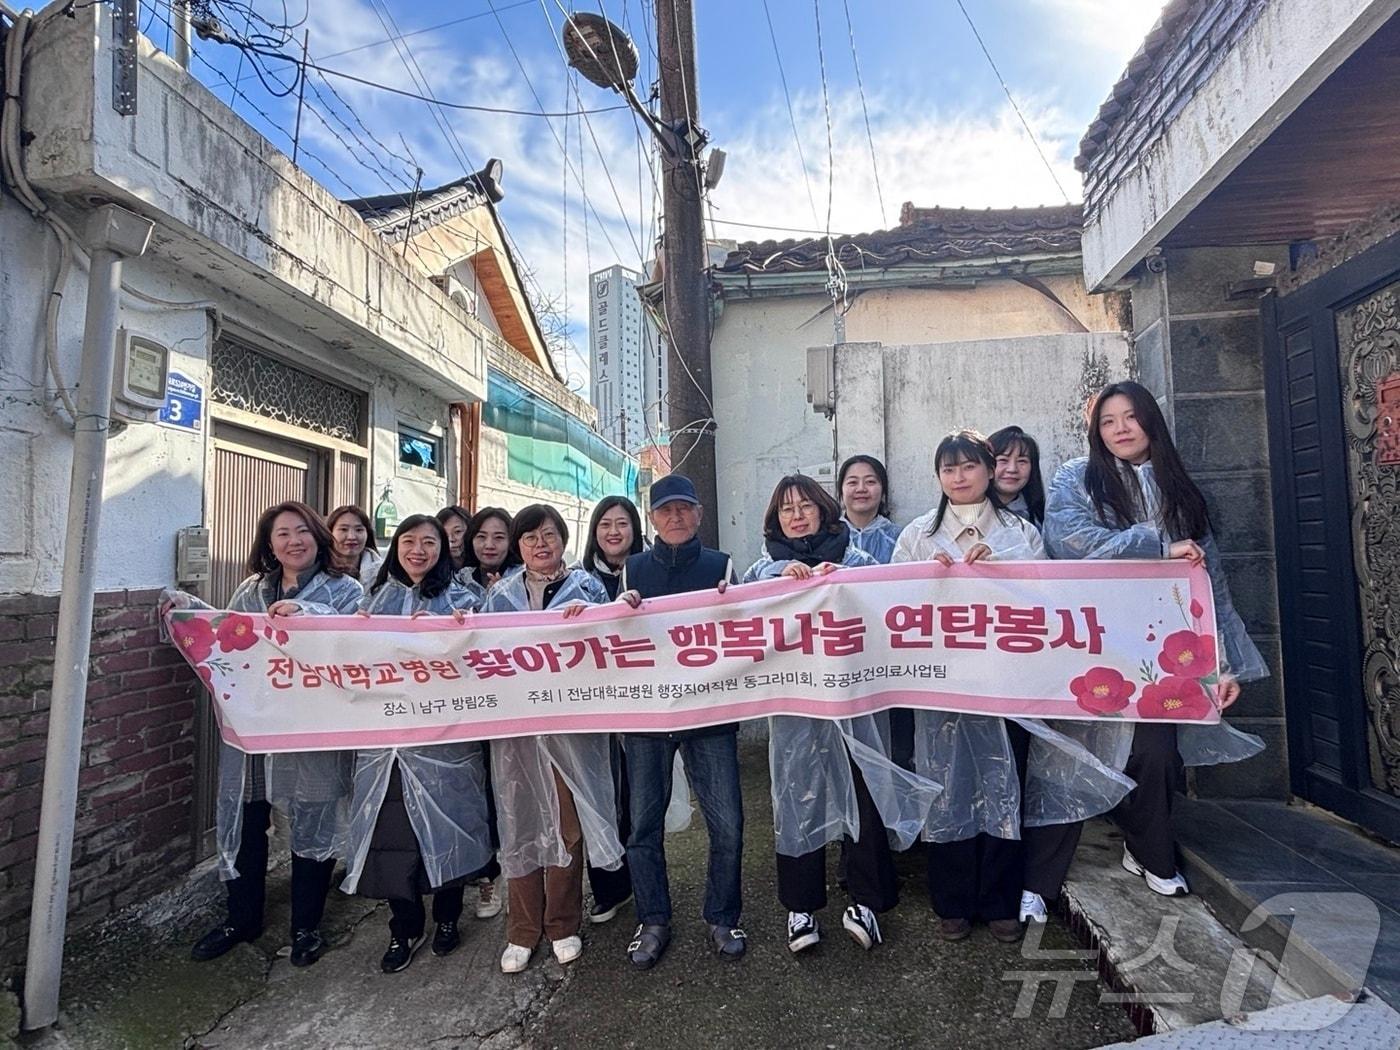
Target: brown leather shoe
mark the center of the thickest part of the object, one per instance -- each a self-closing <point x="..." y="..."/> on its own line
<point x="1008" y="931"/>
<point x="954" y="929"/>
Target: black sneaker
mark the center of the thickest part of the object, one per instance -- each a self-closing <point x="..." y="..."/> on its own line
<point x="803" y="931"/>
<point x="400" y="954"/>
<point x="601" y="913"/>
<point x="307" y="946"/>
<point x="861" y="924"/>
<point x="220" y="941"/>
<point x="446" y="938"/>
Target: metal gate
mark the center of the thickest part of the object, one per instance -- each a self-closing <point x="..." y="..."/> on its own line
<point x="1333" y="373"/>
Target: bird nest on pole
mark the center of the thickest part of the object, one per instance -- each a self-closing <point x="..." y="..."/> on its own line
<point x="601" y="51"/>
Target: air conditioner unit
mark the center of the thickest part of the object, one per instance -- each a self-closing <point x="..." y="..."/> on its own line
<point x="456" y="291"/>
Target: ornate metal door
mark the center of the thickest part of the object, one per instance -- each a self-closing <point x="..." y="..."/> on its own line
<point x="1368" y="339"/>
<point x="1333" y="379"/>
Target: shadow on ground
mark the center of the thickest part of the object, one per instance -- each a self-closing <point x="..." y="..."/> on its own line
<point x="134" y="987"/>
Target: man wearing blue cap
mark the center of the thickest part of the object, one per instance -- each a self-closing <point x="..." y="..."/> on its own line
<point x="675" y="564"/>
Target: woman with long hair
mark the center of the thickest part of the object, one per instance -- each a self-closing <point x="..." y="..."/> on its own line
<point x="832" y="781"/>
<point x="1132" y="497"/>
<point x="998" y="774"/>
<point x="292" y="573"/>
<point x="554" y="793"/>
<point x="1018" y="482"/>
<point x="455" y="521"/>
<point x="356" y="550"/>
<point x="614" y="535"/>
<point x="418" y="820"/>
<point x="487" y="551"/>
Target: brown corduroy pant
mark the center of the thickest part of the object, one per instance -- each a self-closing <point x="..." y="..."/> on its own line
<point x="549" y="901"/>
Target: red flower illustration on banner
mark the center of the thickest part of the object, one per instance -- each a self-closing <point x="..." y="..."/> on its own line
<point x="1197" y="609"/>
<point x="1174" y="697"/>
<point x="195" y="638"/>
<point x="207" y="676"/>
<point x="236" y="632"/>
<point x="1102" y="691"/>
<point x="1188" y="654"/>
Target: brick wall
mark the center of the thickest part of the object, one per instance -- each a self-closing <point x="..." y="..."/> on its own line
<point x="132" y="835"/>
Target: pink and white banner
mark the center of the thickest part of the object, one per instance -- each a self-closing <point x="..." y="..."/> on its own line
<point x="1081" y="639"/>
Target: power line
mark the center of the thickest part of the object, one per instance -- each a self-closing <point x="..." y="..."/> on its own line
<point x="429" y="97"/>
<point x="826" y="107"/>
<point x="1011" y="98"/>
<point x="792" y="119"/>
<point x="428" y="29"/>
<point x="869" y="136"/>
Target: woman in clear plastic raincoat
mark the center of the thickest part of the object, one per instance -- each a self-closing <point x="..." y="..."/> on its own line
<point x="1132" y="497"/>
<point x="554" y="793"/>
<point x="293" y="574"/>
<point x="356" y="551"/>
<point x="998" y="774"/>
<point x="481" y="550"/>
<point x="833" y="780"/>
<point x="418" y="821"/>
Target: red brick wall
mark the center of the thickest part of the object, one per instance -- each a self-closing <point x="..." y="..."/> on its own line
<point x="132" y="836"/>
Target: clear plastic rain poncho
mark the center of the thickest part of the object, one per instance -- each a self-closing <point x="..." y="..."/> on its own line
<point x="1073" y="529"/>
<point x="522" y="768"/>
<point x="1069" y="776"/>
<point x="877" y="539"/>
<point x="809" y="761"/>
<point x="310" y="787"/>
<point x="444" y="785"/>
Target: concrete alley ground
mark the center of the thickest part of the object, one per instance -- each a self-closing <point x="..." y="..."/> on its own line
<point x="136" y="988"/>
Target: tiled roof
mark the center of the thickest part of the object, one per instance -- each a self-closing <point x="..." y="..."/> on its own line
<point x="1180" y="52"/>
<point x="924" y="235"/>
<point x="388" y="214"/>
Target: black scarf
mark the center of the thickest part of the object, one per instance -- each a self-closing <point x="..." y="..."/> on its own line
<point x="811" y="550"/>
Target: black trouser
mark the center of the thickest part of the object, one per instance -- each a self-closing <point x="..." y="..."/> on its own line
<point x="980" y="877"/>
<point x="902" y="737"/>
<point x="407" y="917"/>
<point x="870" y="874"/>
<point x="492" y="870"/>
<point x="247" y="894"/>
<point x="614" y="887"/>
<point x="1144" y="816"/>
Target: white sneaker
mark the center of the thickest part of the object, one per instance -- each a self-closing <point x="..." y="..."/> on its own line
<point x="1172" y="887"/>
<point x="568" y="949"/>
<point x="1032" y="907"/>
<point x="803" y="931"/>
<point x="861" y="924"/>
<point x="488" y="901"/>
<point x="515" y="958"/>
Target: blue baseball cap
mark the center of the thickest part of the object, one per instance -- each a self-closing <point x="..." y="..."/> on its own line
<point x="671" y="488"/>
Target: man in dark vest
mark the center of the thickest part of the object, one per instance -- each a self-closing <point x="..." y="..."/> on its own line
<point x="675" y="564"/>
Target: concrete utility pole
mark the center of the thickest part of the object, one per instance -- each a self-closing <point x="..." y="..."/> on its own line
<point x="686" y="282"/>
<point x="113" y="234"/>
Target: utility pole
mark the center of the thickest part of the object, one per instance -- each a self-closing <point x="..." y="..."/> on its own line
<point x="685" y="280"/>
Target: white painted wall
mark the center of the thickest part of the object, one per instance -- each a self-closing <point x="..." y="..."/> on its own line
<point x="494" y="488"/>
<point x="1278" y="62"/>
<point x="897" y="402"/>
<point x="157" y="476"/>
<point x="766" y="427"/>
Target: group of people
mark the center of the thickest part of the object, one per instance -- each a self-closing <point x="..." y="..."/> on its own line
<point x="998" y="801"/>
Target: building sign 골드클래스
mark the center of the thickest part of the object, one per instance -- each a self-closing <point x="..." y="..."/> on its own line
<point x="184" y="403"/>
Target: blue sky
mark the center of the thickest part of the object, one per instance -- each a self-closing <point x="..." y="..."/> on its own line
<point x="942" y="128"/>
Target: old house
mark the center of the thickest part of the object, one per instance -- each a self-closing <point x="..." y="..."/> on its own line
<point x="953" y="318"/>
<point x="1242" y="184"/>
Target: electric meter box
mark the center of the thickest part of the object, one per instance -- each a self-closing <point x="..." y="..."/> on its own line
<point x="192" y="555"/>
<point x="139" y="377"/>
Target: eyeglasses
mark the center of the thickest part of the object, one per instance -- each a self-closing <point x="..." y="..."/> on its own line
<point x="800" y="510"/>
<point x="539" y="539"/>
